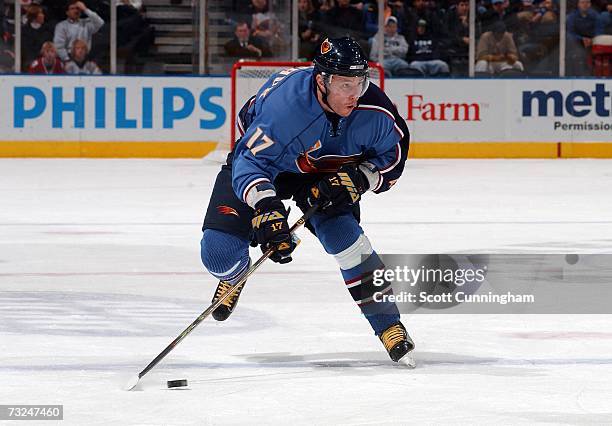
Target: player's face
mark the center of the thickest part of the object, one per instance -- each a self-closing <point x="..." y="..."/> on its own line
<point x="344" y="92"/>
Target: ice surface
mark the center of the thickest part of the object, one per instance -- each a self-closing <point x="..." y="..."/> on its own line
<point x="100" y="270"/>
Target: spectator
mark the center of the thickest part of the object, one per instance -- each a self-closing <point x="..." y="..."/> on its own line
<point x="496" y="51"/>
<point x="420" y="11"/>
<point x="7" y="58"/>
<point x="458" y="25"/>
<point x="344" y="20"/>
<point x="134" y="36"/>
<point x="48" y="62"/>
<point x="457" y="22"/>
<point x="395" y="49"/>
<point x="265" y="24"/>
<point x="391" y="9"/>
<point x="136" y="4"/>
<point x="326" y="5"/>
<point x="1" y="18"/>
<point x="244" y="45"/>
<point x="527" y="12"/>
<point x="604" y="21"/>
<point x="73" y="28"/>
<point x="424" y="54"/>
<point x="581" y="25"/>
<point x="78" y="63"/>
<point x="397" y="10"/>
<point x="357" y="4"/>
<point x="33" y="34"/>
<point x="309" y="22"/>
<point x="546" y="13"/>
<point x="499" y="11"/>
<point x="540" y="51"/>
<point x="54" y="11"/>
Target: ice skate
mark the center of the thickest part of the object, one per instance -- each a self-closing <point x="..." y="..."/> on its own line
<point x="398" y="344"/>
<point x="229" y="304"/>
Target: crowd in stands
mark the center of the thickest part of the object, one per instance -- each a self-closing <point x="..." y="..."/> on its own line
<point x="73" y="36"/>
<point x="431" y="37"/>
<point x="421" y="37"/>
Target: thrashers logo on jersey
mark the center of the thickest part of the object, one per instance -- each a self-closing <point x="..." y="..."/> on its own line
<point x="227" y="211"/>
<point x="326" y="164"/>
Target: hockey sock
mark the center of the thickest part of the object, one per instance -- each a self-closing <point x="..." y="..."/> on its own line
<point x="360" y="284"/>
<point x="342" y="237"/>
<point x="226" y="256"/>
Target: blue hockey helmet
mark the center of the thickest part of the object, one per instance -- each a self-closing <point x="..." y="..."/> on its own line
<point x="341" y="56"/>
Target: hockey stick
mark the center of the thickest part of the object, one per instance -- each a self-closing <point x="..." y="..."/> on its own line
<point x="133" y="382"/>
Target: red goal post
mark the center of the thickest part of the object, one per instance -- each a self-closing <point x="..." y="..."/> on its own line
<point x="248" y="76"/>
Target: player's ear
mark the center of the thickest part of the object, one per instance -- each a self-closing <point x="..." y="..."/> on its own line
<point x="320" y="83"/>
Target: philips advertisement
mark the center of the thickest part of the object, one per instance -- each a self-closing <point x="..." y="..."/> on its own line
<point x="114" y="109"/>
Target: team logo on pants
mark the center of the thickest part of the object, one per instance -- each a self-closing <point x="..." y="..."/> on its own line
<point x="227" y="211"/>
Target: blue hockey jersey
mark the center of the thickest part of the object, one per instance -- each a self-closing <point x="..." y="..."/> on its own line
<point x="284" y="129"/>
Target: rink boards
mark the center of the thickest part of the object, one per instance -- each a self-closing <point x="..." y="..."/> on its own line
<point x="121" y="116"/>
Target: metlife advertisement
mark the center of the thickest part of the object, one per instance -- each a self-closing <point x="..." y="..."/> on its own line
<point x="505" y="110"/>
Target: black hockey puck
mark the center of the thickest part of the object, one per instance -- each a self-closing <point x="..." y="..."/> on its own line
<point x="177" y="383"/>
<point x="571" y="259"/>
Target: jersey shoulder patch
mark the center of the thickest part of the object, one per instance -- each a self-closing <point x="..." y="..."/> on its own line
<point x="375" y="99"/>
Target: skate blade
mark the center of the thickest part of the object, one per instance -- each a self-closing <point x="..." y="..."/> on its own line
<point x="407" y="360"/>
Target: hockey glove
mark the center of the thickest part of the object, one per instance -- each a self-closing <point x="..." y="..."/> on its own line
<point x="340" y="191"/>
<point x="272" y="230"/>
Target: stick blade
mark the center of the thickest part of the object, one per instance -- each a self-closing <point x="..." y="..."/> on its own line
<point x="132" y="383"/>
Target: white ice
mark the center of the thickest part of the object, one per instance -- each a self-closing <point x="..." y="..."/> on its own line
<point x="100" y="270"/>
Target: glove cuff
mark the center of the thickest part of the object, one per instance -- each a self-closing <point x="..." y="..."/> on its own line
<point x="271" y="203"/>
<point x="259" y="192"/>
<point x="371" y="174"/>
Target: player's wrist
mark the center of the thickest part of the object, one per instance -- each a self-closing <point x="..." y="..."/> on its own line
<point x="371" y="175"/>
<point x="258" y="192"/>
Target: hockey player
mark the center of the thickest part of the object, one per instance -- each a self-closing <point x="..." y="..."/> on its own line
<point x="320" y="135"/>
